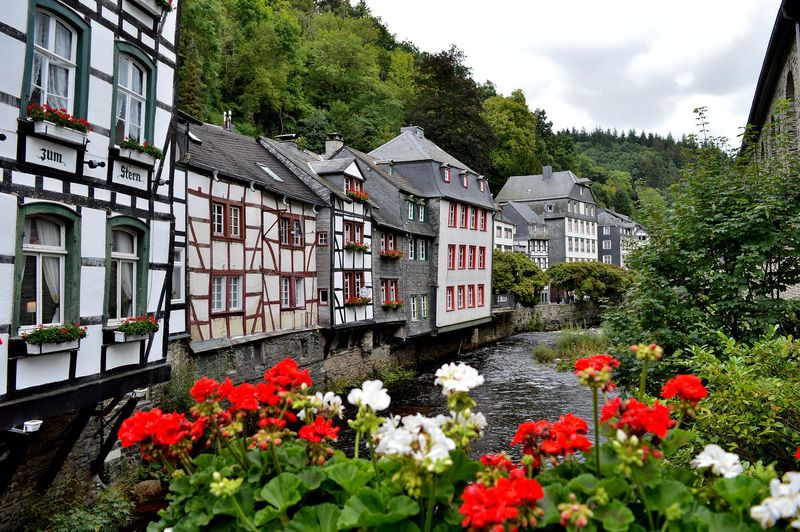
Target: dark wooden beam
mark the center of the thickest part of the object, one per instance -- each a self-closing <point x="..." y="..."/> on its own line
<point x="17" y="446"/>
<point x="67" y="443"/>
<point x="121" y="415"/>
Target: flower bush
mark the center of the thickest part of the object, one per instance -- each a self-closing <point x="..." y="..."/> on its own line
<point x="357" y="195"/>
<point x="393" y="304"/>
<point x="55" y="334"/>
<point x="259" y="457"/>
<point x="139" y="325"/>
<point x="130" y="144"/>
<point x="59" y="117"/>
<point x="352" y="245"/>
<point x="392" y="254"/>
<point x="166" y="5"/>
<point x="356" y="301"/>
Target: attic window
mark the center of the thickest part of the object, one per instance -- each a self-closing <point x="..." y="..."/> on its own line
<point x="465" y="180"/>
<point x="482" y="184"/>
<point x="549" y="207"/>
<point x="195" y="138"/>
<point x="269" y="172"/>
<point x="446" y="174"/>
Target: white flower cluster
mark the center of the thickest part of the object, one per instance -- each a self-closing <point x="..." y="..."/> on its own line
<point x="416" y="436"/>
<point x="783" y="502"/>
<point x="330" y="404"/>
<point x="722" y="463"/>
<point x="457" y="378"/>
<point x="371" y="394"/>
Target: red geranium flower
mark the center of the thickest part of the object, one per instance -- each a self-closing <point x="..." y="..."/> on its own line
<point x="138" y="427"/>
<point x="497" y="507"/>
<point x="243" y="397"/>
<point x="497" y="461"/>
<point x="595" y="371"/>
<point x="319" y="430"/>
<point x="637" y="418"/>
<point x="287" y="375"/>
<point x="797" y="454"/>
<point x="688" y="388"/>
<point x="204" y="389"/>
<point x="170" y="429"/>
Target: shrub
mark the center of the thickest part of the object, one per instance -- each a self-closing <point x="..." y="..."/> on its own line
<point x="594" y="279"/>
<point x="146" y="147"/>
<point x="575" y="343"/>
<point x="544" y="353"/>
<point x="536" y="324"/>
<point x="55" y="334"/>
<point x="516" y="273"/>
<point x="109" y="513"/>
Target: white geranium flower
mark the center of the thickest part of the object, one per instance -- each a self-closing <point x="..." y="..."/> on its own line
<point x="766" y="514"/>
<point x="722" y="463"/>
<point x="330" y="403"/>
<point x="371" y="394"/>
<point x="417" y="436"/>
<point x="469" y="419"/>
<point x="393" y="439"/>
<point x="457" y="378"/>
<point x="793" y="479"/>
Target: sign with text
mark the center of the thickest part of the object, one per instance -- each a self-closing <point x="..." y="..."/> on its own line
<point x="130" y="175"/>
<point x="56" y="156"/>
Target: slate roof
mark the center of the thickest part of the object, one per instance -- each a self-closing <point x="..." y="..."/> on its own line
<point x="396" y="179"/>
<point x="239" y="157"/>
<point x="411" y="145"/>
<point x="523" y="217"/>
<point x="303" y="160"/>
<point x="334" y="166"/>
<point x="609" y="217"/>
<point x="536" y="187"/>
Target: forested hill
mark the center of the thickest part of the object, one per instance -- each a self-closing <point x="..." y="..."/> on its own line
<point x="312" y="67"/>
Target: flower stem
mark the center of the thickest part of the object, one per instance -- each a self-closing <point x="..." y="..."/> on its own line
<point x="275" y="459"/>
<point x="643" y="380"/>
<point x="358" y="437"/>
<point x="431" y="505"/>
<point x="645" y="505"/>
<point x="595" y="401"/>
<point x="248" y="524"/>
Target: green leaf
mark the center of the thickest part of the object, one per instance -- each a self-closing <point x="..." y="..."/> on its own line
<point x="320" y="518"/>
<point x="369" y="508"/>
<point x="282" y="491"/>
<point x="647" y="475"/>
<point x="349" y="475"/>
<point x="554" y="494"/>
<point x="676" y="439"/>
<point x="585" y="483"/>
<point x="666" y="495"/>
<point x="739" y="492"/>
<point x="614" y="516"/>
<point x="615" y="488"/>
<point x="310" y="479"/>
<point x="266" y="516"/>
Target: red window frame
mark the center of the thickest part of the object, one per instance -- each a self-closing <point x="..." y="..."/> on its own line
<point x="227" y="225"/>
<point x="352" y="183"/>
<point x="482" y="184"/>
<point x="462" y="257"/>
<point x="350" y="233"/>
<point x="471" y="296"/>
<point x="390" y="290"/>
<point x="481" y="295"/>
<point x="462" y="216"/>
<point x="388" y="242"/>
<point x="471" y="258"/>
<point x="292" y="303"/>
<point x="351" y="287"/>
<point x="451" y="257"/>
<point x="484" y="216"/>
<point x="482" y="257"/>
<point x="321" y="291"/>
<point x="465" y="180"/>
<point x="461" y="294"/>
<point x="447" y="175"/>
<point x="473" y="218"/>
<point x="290" y="220"/>
<point x="451" y="216"/>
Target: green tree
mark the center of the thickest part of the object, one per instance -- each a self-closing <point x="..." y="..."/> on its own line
<point x="449" y="105"/>
<point x="594" y="279"/>
<point x="516" y="273"/>
<point x="514" y="125"/>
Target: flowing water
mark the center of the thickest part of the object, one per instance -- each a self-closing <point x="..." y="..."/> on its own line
<point x="517" y="388"/>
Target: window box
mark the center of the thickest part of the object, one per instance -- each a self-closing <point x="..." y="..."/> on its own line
<point x="393" y="305"/>
<point x="356" y="246"/>
<point x="392" y="254"/>
<point x="121" y="337"/>
<point x="50" y="129"/>
<point x="154" y="7"/>
<point x="41" y="349"/>
<point x="357" y="195"/>
<point x="358" y="302"/>
<point x="139" y="157"/>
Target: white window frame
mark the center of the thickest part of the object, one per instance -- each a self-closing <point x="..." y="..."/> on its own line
<point x="39" y="251"/>
<point x="411" y="246"/>
<point x="606" y="244"/>
<point x="606" y="230"/>
<point x="421" y="213"/>
<point x="322" y="238"/>
<point x="46" y="54"/>
<point x="178" y="267"/>
<point x="423" y="305"/>
<point x="219" y="286"/>
<point x="297" y="232"/>
<point x="411" y="209"/>
<point x="414" y="314"/>
<point x="234" y="293"/>
<point x="235" y="217"/>
<point x="422" y="252"/>
<point x="120" y="259"/>
<point x="126" y="95"/>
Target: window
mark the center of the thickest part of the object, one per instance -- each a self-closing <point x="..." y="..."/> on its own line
<point x="123" y="266"/>
<point x="461" y="302"/>
<point x="421" y="212"/>
<point x="236" y="217"/>
<point x="54" y="62"/>
<point x="549" y="207"/>
<point x="131" y="99"/>
<point x="482" y="185"/>
<point x="352" y="183"/>
<point x="483" y="219"/>
<point x="353" y="232"/>
<point x="462" y="259"/>
<point x="388" y="242"/>
<point x="509" y="233"/>
<point x="390" y="290"/>
<point x="283" y="231"/>
<point x="451" y="257"/>
<point x="411" y="249"/>
<point x="447" y="176"/>
<point x="473" y="218"/>
<point x="42" y="290"/>
<point x="423" y="305"/>
<point x="606" y="230"/>
<point x="451" y="217"/>
<point x="422" y="249"/>
<point x="322" y="238"/>
<point x="414" y="314"/>
<point x="322" y="296"/>
<point x="594" y="243"/>
<point x="177" y="275"/>
<point x="218" y="218"/>
<point x="498" y="232"/>
<point x="607" y="259"/>
<point x="411" y="209"/>
<point x="353" y="283"/>
<point x="226" y="293"/>
<point x="297" y="232"/>
<point x="471" y="296"/>
<point x="481" y="296"/>
<point x="569" y="243"/>
<point x="606" y="244"/>
<point x="450" y="299"/>
<point x="569" y="206"/>
<point x="471" y="261"/>
<point x="463" y="216"/>
<point x="299" y="292"/>
<point x="482" y="258"/>
<point x="465" y="180"/>
<point x="226" y="220"/>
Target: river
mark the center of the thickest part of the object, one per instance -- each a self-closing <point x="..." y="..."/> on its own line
<point x="517" y="388"/>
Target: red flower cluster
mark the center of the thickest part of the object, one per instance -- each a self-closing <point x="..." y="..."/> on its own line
<point x="595" y="371"/>
<point x="319" y="431"/>
<point x="357" y="195"/>
<point x="355" y="301"/>
<point x="287" y="375"/>
<point x="393" y="254"/>
<point x="503" y="507"/>
<point x="562" y="438"/>
<point x="59" y="117"/>
<point x="688" y="388"/>
<point x="157" y="433"/>
<point x="139" y="325"/>
<point x="797" y="454"/>
<point x="637" y="419"/>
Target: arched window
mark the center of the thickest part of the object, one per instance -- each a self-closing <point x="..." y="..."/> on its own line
<point x="131" y="99"/>
<point x="124" y="267"/>
<point x="55" y="50"/>
<point x="42" y="289"/>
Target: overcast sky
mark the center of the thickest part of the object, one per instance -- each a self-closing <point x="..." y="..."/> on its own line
<point x="616" y="64"/>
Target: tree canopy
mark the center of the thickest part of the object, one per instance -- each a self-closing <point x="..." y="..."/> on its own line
<point x="516" y="273"/>
<point x="595" y="280"/>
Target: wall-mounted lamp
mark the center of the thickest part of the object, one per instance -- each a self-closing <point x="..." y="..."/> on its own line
<point x="95" y="164"/>
<point x="3" y="137"/>
<point x="32" y="425"/>
<point x="138" y="393"/>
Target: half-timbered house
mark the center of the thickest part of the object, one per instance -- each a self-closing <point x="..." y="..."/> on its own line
<point x="251" y="240"/>
<point x="87" y="217"/>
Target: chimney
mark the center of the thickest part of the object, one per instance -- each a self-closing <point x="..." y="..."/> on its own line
<point x="417" y="131"/>
<point x="332" y="144"/>
<point x="226" y="120"/>
<point x="287" y="138"/>
<point x="547" y="172"/>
